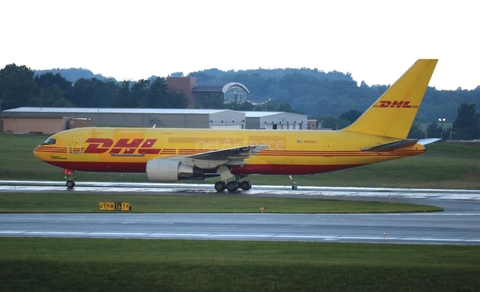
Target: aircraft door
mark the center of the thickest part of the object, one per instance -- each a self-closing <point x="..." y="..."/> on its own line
<point x="329" y="149"/>
<point x="76" y="147"/>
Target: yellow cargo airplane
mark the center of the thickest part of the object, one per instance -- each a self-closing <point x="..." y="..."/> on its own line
<point x="168" y="155"/>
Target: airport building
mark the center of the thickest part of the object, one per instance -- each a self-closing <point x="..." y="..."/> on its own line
<point x="51" y="120"/>
<point x="208" y="94"/>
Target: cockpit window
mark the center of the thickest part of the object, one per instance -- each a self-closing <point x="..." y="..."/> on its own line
<point x="49" y="141"/>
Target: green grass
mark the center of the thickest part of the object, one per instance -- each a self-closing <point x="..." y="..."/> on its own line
<point x="172" y="265"/>
<point x="88" y="202"/>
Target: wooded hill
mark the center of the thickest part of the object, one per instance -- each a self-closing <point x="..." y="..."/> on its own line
<point x="313" y="92"/>
<point x="317" y="93"/>
<point x="308" y="91"/>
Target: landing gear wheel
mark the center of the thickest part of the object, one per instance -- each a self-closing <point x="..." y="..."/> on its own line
<point x="245" y="185"/>
<point x="70" y="184"/>
<point x="220" y="186"/>
<point x="69" y="176"/>
<point x="232" y="186"/>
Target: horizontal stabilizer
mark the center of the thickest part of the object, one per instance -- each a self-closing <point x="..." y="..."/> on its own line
<point x="391" y="146"/>
<point x="428" y="141"/>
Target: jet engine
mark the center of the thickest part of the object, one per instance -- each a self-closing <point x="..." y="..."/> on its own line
<point x="170" y="170"/>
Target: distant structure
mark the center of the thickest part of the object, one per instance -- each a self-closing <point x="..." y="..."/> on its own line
<point x="312" y="124"/>
<point x="275" y="121"/>
<point x="184" y="85"/>
<point x="51" y="120"/>
<point x="205" y="93"/>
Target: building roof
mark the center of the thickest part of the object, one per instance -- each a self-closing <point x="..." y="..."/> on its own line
<point x="257" y="114"/>
<point x="113" y="110"/>
<point x="260" y="114"/>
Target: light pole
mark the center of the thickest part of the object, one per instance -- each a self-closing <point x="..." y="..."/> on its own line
<point x="441" y="120"/>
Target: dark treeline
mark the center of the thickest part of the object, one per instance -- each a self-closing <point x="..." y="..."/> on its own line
<point x="333" y="98"/>
<point x="19" y="87"/>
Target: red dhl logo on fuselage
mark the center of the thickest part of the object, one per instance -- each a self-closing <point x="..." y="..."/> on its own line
<point x="395" y="104"/>
<point x="122" y="146"/>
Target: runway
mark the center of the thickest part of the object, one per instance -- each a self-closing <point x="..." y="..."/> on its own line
<point x="458" y="224"/>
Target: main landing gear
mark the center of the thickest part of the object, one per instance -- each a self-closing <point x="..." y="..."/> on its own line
<point x="233" y="185"/>
<point x="69" y="176"/>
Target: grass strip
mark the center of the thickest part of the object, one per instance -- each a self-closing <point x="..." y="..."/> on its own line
<point x="173" y="265"/>
<point x="226" y="203"/>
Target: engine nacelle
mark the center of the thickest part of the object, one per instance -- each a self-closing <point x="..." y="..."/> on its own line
<point x="170" y="170"/>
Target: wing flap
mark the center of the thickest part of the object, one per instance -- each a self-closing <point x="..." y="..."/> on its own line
<point x="231" y="156"/>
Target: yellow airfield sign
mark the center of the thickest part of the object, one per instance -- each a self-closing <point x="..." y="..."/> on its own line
<point x="114" y="206"/>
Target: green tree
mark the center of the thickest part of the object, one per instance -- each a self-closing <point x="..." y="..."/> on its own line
<point x="178" y="99"/>
<point x="160" y="96"/>
<point x="49" y="79"/>
<point x="48" y="97"/>
<point x="51" y="88"/>
<point x="467" y="124"/>
<point x="157" y="95"/>
<point x="329" y="122"/>
<point x="416" y="132"/>
<point x="285" y="107"/>
<point x="123" y="97"/>
<point x="62" y="102"/>
<point x="266" y="106"/>
<point x="17" y="86"/>
<point x="240" y="106"/>
<point x="139" y="92"/>
<point x="107" y="93"/>
<point x="91" y="93"/>
<point x="209" y="100"/>
<point x="434" y="130"/>
<point x="351" y="115"/>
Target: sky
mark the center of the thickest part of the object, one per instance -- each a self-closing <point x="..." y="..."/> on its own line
<point x="374" y="41"/>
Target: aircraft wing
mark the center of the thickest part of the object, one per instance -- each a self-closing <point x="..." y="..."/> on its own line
<point x="229" y="157"/>
<point x="391" y="146"/>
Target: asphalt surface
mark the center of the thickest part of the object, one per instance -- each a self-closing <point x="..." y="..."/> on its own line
<point x="458" y="224"/>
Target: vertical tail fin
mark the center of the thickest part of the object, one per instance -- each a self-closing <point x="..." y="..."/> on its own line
<point x="393" y="113"/>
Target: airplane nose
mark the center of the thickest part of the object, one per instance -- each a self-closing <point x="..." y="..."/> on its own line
<point x="37" y="152"/>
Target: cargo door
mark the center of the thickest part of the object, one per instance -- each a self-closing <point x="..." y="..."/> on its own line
<point x="76" y="147"/>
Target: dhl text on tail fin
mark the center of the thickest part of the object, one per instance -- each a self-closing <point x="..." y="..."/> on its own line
<point x="393" y="113"/>
<point x="167" y="155"/>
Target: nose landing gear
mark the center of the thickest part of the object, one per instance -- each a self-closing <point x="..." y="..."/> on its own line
<point x="69" y="176"/>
